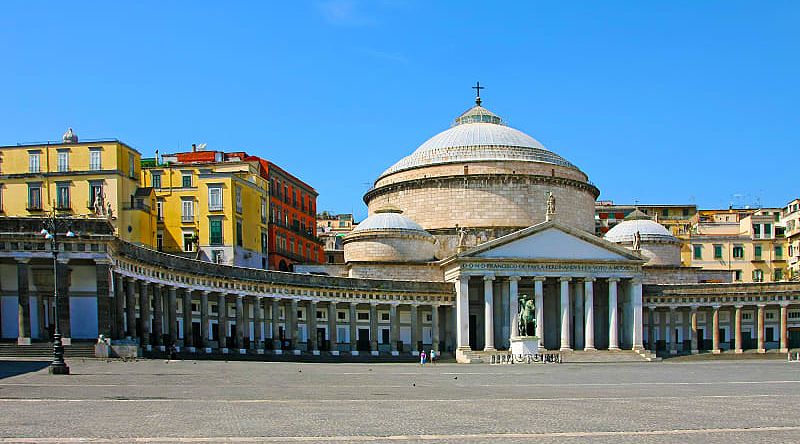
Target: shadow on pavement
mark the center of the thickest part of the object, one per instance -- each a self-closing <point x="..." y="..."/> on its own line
<point x="14" y="368"/>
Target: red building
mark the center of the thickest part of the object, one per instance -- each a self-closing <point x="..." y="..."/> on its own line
<point x="292" y="227"/>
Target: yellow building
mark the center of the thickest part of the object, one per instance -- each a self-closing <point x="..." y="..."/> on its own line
<point x="210" y="205"/>
<point x="790" y="219"/>
<point x="749" y="243"/>
<point x="96" y="178"/>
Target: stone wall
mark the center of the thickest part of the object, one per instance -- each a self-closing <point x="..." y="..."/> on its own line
<point x="405" y="272"/>
<point x="662" y="253"/>
<point x="387" y="246"/>
<point x="670" y="275"/>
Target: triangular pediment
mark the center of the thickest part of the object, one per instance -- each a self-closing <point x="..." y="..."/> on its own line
<point x="551" y="240"/>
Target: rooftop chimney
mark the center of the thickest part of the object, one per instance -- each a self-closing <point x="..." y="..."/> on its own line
<point x="194" y="147"/>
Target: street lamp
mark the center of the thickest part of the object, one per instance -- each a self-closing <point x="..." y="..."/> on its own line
<point x="52" y="225"/>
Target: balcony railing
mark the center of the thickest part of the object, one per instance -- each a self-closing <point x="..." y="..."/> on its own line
<point x="136" y="206"/>
<point x="187" y="218"/>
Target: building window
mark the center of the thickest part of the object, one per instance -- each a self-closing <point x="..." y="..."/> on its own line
<point x="698" y="251"/>
<point x="263" y="242"/>
<point x="215" y="198"/>
<point x="362" y="316"/>
<point x="737" y="275"/>
<point x="757" y="252"/>
<point x="341" y="315"/>
<point x="239" y="234"/>
<point x="291" y="245"/>
<point x="717" y="251"/>
<point x="160" y="210"/>
<point x="756" y="231"/>
<point x="62" y="195"/>
<point x="189" y="241"/>
<point x="758" y="276"/>
<point x="294" y="198"/>
<point x="95" y="162"/>
<point x="778" y="252"/>
<point x="131" y="165"/>
<point x="778" y="274"/>
<point x="1" y="197"/>
<point x="238" y="194"/>
<point x="33" y="161"/>
<point x="665" y="212"/>
<point x="186" y="180"/>
<point x="217" y="256"/>
<point x="63" y="161"/>
<point x="767" y="230"/>
<point x="35" y="196"/>
<point x="156" y="180"/>
<point x="160" y="241"/>
<point x="187" y="210"/>
<point x="215" y="232"/>
<point x="263" y="210"/>
<point x="738" y="252"/>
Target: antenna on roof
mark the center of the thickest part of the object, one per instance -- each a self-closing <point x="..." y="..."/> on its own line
<point x="202" y="147"/>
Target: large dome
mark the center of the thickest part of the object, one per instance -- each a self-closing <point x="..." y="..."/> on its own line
<point x="648" y="229"/>
<point x="478" y="135"/>
<point x="387" y="220"/>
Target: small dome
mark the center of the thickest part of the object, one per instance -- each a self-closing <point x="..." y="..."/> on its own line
<point x="649" y="231"/>
<point x="387" y="220"/>
<point x="69" y="137"/>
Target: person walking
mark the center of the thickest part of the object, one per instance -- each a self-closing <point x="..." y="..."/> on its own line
<point x="433" y="357"/>
<point x="422" y="357"/>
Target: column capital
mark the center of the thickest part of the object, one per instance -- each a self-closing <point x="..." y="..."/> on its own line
<point x="514" y="278"/>
<point x="672" y="308"/>
<point x="716" y="306"/>
<point x="588" y="279"/>
<point x="694" y="307"/>
<point x="651" y="307"/>
<point x="22" y="260"/>
<point x="761" y="306"/>
<point x="565" y="278"/>
<point x="636" y="280"/>
<point x="353" y="303"/>
<point x="488" y="277"/>
<point x="784" y="304"/>
<point x="738" y="306"/>
<point x="613" y="279"/>
<point x="539" y="278"/>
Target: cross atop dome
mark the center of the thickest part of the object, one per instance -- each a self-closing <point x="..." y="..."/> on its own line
<point x="478" y="89"/>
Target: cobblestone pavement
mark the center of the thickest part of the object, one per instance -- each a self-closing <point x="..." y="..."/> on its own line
<point x="205" y="401"/>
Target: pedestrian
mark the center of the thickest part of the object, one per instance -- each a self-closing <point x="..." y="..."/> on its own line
<point x="422" y="357"/>
<point x="433" y="357"/>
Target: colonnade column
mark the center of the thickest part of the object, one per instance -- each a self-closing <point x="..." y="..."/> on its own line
<point x="257" y="341"/>
<point x="333" y="334"/>
<point x="204" y="320"/>
<point x="144" y="314"/>
<point x="651" y="330"/>
<point x="353" y="329"/>
<point x="373" y="328"/>
<point x="577" y="316"/>
<point x="312" y="341"/>
<point x="295" y="329"/>
<point x="636" y="295"/>
<point x="488" y="313"/>
<point x="64" y="318"/>
<point x="130" y="307"/>
<point x="414" y="330"/>
<point x="172" y="315"/>
<point x="761" y="347"/>
<point x="588" y="313"/>
<point x="188" y="327"/>
<point x="538" y="301"/>
<point x="513" y="297"/>
<point x="565" y="333"/>
<point x="240" y="317"/>
<point x="435" y="328"/>
<point x="23" y="303"/>
<point x="665" y="321"/>
<point x="784" y="328"/>
<point x="222" y="322"/>
<point x="394" y="328"/>
<point x="158" y="316"/>
<point x="693" y="329"/>
<point x="119" y="296"/>
<point x="737" y="329"/>
<point x="613" y="337"/>
<point x="673" y="349"/>
<point x="715" y="332"/>
<point x="462" y="313"/>
<point x="275" y="311"/>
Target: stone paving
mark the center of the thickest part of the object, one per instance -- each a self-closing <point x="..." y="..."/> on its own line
<point x="215" y="401"/>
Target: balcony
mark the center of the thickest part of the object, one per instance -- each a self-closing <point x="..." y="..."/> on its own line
<point x="135" y="206"/>
<point x="187" y="218"/>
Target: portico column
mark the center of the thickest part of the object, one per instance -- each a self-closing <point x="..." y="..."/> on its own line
<point x="64" y="318"/>
<point x="119" y="296"/>
<point x="538" y="301"/>
<point x="353" y="329"/>
<point x="462" y="313"/>
<point x="172" y="311"/>
<point x="394" y="328"/>
<point x="373" y="328"/>
<point x="205" y="322"/>
<point x="258" y="320"/>
<point x="613" y="341"/>
<point x="414" y="330"/>
<point x="665" y="319"/>
<point x="488" y="312"/>
<point x="333" y="334"/>
<point x="188" y="327"/>
<point x="651" y="330"/>
<point x="565" y="333"/>
<point x="588" y="290"/>
<point x="715" y="332"/>
<point x="295" y="328"/>
<point x="275" y="311"/>
<point x="130" y="307"/>
<point x="158" y="316"/>
<point x="761" y="347"/>
<point x="435" y="327"/>
<point x="673" y="350"/>
<point x="784" y="328"/>
<point x="578" y="316"/>
<point x="693" y="329"/>
<point x="144" y="313"/>
<point x="636" y="296"/>
<point x="240" y="317"/>
<point x="737" y="329"/>
<point x="313" y="346"/>
<point x="222" y="322"/>
<point x="513" y="296"/>
<point x="23" y="303"/>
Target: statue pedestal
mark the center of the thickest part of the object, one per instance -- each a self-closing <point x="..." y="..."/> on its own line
<point x="524" y="345"/>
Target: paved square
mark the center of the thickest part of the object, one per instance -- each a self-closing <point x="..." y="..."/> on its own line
<point x="205" y="401"/>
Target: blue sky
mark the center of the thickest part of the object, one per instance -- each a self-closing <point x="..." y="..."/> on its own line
<point x="659" y="102"/>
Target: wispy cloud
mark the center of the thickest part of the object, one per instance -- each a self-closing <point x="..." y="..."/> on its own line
<point x="345" y="13"/>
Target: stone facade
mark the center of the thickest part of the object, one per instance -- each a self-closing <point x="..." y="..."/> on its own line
<point x="406" y="272"/>
<point x="388" y="246"/>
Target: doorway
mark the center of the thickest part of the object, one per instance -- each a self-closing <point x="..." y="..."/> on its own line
<point x="473" y="332"/>
<point x="363" y="339"/>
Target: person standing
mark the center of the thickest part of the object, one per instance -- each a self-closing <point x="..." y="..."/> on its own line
<point x="433" y="357"/>
<point x="422" y="357"/>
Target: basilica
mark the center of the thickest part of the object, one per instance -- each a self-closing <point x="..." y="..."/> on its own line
<point x="477" y="218"/>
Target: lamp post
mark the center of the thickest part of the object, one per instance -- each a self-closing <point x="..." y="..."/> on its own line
<point x="52" y="225"/>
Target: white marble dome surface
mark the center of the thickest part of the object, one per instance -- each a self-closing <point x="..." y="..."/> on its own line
<point x="648" y="229"/>
<point x="387" y="220"/>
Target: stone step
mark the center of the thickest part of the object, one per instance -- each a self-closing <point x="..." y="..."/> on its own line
<point x="578" y="356"/>
<point x="45" y="350"/>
